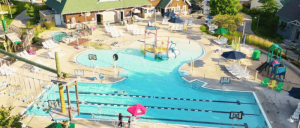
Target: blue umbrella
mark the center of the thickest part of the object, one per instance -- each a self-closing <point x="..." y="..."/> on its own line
<point x="175" y="20"/>
<point x="295" y="92"/>
<point x="233" y="55"/>
<point x="169" y="14"/>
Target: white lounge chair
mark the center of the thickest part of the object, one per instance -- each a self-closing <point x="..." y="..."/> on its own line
<point x="52" y="43"/>
<point x="186" y="22"/>
<point x="3" y="85"/>
<point x="28" y="55"/>
<point x="190" y="23"/>
<point x="244" y="75"/>
<point x="46" y="46"/>
<point x="232" y="66"/>
<point x="121" y="33"/>
<point x="49" y="44"/>
<point x="137" y="18"/>
<point x="116" y="33"/>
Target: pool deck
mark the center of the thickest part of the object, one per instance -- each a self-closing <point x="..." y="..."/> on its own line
<point x="277" y="106"/>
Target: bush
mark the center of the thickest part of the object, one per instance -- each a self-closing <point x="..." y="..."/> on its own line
<point x="66" y="75"/>
<point x="296" y="63"/>
<point x="258" y="41"/>
<point x="49" y="25"/>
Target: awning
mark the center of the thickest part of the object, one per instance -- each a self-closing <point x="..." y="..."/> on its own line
<point x="134" y="10"/>
<point x="13" y="38"/>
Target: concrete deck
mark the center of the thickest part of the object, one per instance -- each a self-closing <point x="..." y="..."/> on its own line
<point x="278" y="106"/>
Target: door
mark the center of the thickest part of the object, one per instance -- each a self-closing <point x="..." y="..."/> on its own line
<point x="98" y="19"/>
<point x="162" y="12"/>
<point x="297" y="35"/>
<point x="57" y="19"/>
<point x="122" y="15"/>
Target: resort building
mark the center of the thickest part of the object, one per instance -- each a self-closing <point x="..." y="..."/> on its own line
<point x="71" y="13"/>
<point x="289" y="22"/>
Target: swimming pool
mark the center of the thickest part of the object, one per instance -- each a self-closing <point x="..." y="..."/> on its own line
<point x="157" y="85"/>
<point x="59" y="36"/>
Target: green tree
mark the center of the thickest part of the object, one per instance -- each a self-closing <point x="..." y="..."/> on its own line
<point x="230" y="22"/>
<point x="222" y="7"/>
<point x="30" y="10"/>
<point x="9" y="121"/>
<point x="270" y="7"/>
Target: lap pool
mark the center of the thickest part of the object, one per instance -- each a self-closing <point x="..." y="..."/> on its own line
<point x="157" y="85"/>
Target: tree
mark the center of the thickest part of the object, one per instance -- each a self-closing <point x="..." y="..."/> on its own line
<point x="228" y="22"/>
<point x="222" y="7"/>
<point x="270" y="7"/>
<point x="7" y="120"/>
<point x="30" y="10"/>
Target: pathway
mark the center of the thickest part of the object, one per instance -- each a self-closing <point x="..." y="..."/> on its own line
<point x="248" y="21"/>
<point x="21" y="20"/>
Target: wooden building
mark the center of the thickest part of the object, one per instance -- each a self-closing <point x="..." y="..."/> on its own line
<point x="163" y="6"/>
<point x="71" y="13"/>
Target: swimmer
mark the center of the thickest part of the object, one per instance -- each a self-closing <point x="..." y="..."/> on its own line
<point x="118" y="92"/>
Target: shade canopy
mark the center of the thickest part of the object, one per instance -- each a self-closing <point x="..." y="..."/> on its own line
<point x="169" y="14"/>
<point x="175" y="20"/>
<point x="295" y="92"/>
<point x="137" y="109"/>
<point x="221" y="30"/>
<point x="59" y="125"/>
<point x="13" y="38"/>
<point x="233" y="55"/>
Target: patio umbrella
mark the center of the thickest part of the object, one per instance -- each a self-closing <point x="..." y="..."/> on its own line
<point x="169" y="14"/>
<point x="137" y="109"/>
<point x="295" y="92"/>
<point x="233" y="55"/>
<point x="175" y="20"/>
<point x="221" y="30"/>
<point x="59" y="125"/>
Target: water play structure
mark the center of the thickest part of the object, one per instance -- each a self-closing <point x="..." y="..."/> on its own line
<point x="160" y="48"/>
<point x="274" y="62"/>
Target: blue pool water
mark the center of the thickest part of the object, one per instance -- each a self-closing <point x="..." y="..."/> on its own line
<point x="59" y="36"/>
<point x="157" y="85"/>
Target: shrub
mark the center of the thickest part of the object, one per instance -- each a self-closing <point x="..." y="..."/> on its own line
<point x="66" y="75"/>
<point x="204" y="28"/>
<point x="49" y="25"/>
<point x="296" y="63"/>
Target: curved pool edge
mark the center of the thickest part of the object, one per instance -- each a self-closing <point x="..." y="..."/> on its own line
<point x="205" y="83"/>
<point x="124" y="78"/>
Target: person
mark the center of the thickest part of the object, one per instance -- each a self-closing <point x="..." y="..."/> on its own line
<point x="120" y="120"/>
<point x="129" y="121"/>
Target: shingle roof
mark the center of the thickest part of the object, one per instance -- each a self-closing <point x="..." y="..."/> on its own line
<point x="290" y="11"/>
<point x="75" y="6"/>
<point x="163" y="3"/>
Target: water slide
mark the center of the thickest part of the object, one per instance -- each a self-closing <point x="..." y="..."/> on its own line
<point x="262" y="67"/>
<point x="173" y="50"/>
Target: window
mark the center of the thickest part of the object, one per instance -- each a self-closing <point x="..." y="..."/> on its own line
<point x="297" y="35"/>
<point x="151" y="10"/>
<point x="184" y="8"/>
<point x="283" y="25"/>
<point x="145" y="10"/>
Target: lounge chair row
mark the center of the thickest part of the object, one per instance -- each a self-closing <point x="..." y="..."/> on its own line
<point x="222" y="40"/>
<point x="117" y="33"/>
<point x="138" y="32"/>
<point x="25" y="55"/>
<point x="238" y="71"/>
<point x="131" y="27"/>
<point x="272" y="84"/>
<point x="110" y="29"/>
<point x="7" y="71"/>
<point x="68" y="40"/>
<point x="176" y="27"/>
<point x="48" y="44"/>
<point x="51" y="55"/>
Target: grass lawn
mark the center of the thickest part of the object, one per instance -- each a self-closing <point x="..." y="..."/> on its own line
<point x="16" y="9"/>
<point x="265" y="33"/>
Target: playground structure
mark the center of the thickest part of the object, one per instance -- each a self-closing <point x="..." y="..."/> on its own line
<point x="160" y="48"/>
<point x="274" y="62"/>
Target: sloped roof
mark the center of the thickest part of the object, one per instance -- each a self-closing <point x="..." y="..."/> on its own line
<point x="75" y="6"/>
<point x="290" y="11"/>
<point x="163" y="3"/>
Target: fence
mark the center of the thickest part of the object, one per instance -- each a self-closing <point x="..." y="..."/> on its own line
<point x="291" y="55"/>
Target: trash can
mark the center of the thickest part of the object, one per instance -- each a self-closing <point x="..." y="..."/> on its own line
<point x="256" y="54"/>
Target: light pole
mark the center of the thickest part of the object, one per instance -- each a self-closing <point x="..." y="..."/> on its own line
<point x="244" y="25"/>
<point x="257" y="20"/>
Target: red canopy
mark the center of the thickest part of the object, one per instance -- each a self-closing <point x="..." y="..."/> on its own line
<point x="137" y="109"/>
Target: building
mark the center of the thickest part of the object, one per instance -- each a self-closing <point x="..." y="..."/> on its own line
<point x="163" y="6"/>
<point x="71" y="13"/>
<point x="289" y="21"/>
